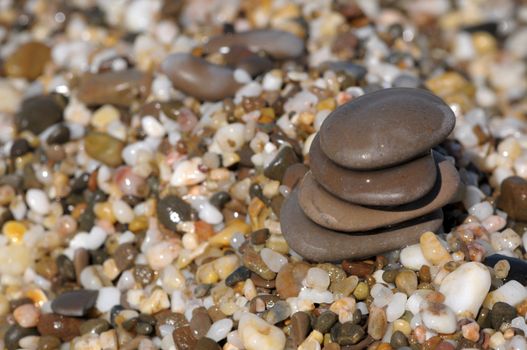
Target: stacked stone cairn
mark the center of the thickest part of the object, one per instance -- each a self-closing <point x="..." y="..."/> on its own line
<point x="375" y="184"/>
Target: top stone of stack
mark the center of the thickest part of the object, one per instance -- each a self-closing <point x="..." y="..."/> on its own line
<point x="385" y="128"/>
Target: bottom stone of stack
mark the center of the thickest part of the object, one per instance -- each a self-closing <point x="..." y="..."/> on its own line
<point x="316" y="243"/>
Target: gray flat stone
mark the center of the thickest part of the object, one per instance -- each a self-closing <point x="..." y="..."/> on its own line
<point x="385" y="128"/>
<point x="396" y="185"/>
<point x="336" y="214"/>
<point x="317" y="243"/>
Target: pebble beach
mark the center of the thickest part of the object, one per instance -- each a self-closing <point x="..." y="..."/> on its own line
<point x="197" y="175"/>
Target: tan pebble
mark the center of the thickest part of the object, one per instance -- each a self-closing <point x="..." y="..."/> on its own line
<point x="433" y="250"/>
<point x="225" y="265"/>
<point x="223" y="238"/>
<point x="377" y="323"/>
<point x="406" y="281"/>
<point x="207" y="274"/>
<point x="103" y="116"/>
<point x="402" y="326"/>
<point x="156" y="302"/>
<point x="471" y="331"/>
<point x="344" y="308"/>
<point x="110" y="269"/>
<point x="26" y="315"/>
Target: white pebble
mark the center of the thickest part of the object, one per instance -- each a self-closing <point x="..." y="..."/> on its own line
<point x="38" y="201"/>
<point x="466" y="287"/>
<point x="381" y="295"/>
<point x="256" y="334"/>
<point x="272" y="259"/>
<point x="439" y="318"/>
<point x="473" y="196"/>
<point x="122" y="211"/>
<point x="412" y="257"/>
<point x="317" y="278"/>
<point x="505" y="240"/>
<point x="219" y="329"/>
<point x="140" y="15"/>
<point x="241" y="76"/>
<point x="231" y="137"/>
<point x="396" y="307"/>
<point x="272" y="80"/>
<point x="210" y="214"/>
<point x="108" y="297"/>
<point x="178" y="301"/>
<point x="89" y="241"/>
<point x="90" y="279"/>
<point x="481" y="210"/>
<point x="316" y="296"/>
<point x="512" y="293"/>
<point x="187" y="173"/>
<point x="494" y="223"/>
<point x="152" y="126"/>
<point x="413" y="304"/>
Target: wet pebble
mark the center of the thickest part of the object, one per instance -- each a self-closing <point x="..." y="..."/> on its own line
<point x="281" y="162"/>
<point x="278" y="313"/>
<point x="300" y="326"/>
<point x="124" y="256"/>
<point x="65" y="328"/>
<point x="325" y="321"/>
<point x="120" y="88"/>
<point x="200" y="322"/>
<point x="28" y="60"/>
<point x="183" y="338"/>
<point x="198" y="78"/>
<point x="39" y="112"/>
<point x="74" y="303"/>
<point x="104" y="148"/>
<point x="289" y="279"/>
<point x="205" y="343"/>
<point x="253" y="261"/>
<point x="13" y="335"/>
<point x="96" y="325"/>
<point x="501" y="312"/>
<point x="171" y="210"/>
<point x="240" y="274"/>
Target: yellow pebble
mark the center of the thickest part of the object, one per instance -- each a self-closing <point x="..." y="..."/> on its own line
<point x="484" y="43"/>
<point x="316" y="336"/>
<point x="104" y="211"/>
<point x="402" y="326"/>
<point x="433" y="250"/>
<point x="328" y="103"/>
<point x="223" y="238"/>
<point x="104" y="116"/>
<point x="138" y="224"/>
<point x="267" y="115"/>
<point x="206" y="274"/>
<point x="14" y="231"/>
<point x="384" y="346"/>
<point x="362" y="291"/>
<point x="4" y="305"/>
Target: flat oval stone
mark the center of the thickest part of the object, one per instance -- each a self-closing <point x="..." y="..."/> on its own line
<point x="385" y="128"/>
<point x="392" y="186"/>
<point x="243" y="58"/>
<point x="317" y="243"/>
<point x="336" y="214"/>
<point x="198" y="78"/>
<point x="276" y="43"/>
<point x="119" y="88"/>
<point x="74" y="303"/>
